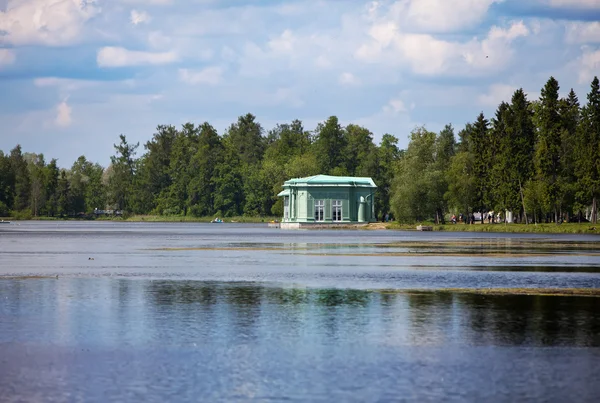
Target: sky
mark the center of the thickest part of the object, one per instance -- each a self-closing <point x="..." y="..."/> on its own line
<point x="75" y="74"/>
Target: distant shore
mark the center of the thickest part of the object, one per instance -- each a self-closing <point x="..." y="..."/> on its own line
<point x="554" y="292"/>
<point x="153" y="218"/>
<point x="550" y="228"/>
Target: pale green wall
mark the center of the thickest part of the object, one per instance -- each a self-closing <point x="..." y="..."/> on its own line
<point x="305" y="197"/>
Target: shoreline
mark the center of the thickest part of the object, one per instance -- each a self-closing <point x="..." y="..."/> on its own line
<point x="550" y="228"/>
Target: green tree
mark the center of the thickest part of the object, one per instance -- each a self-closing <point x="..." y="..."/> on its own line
<point x="482" y="162"/>
<point x="79" y="182"/>
<point x="502" y="191"/>
<point x="203" y="164"/>
<point x="302" y="165"/>
<point x="154" y="169"/>
<point x="360" y="152"/>
<point x="175" y="200"/>
<point x="287" y="141"/>
<point x="64" y="194"/>
<point x="517" y="153"/>
<point x="37" y="172"/>
<point x="329" y="146"/>
<point x="245" y="137"/>
<point x="461" y="192"/>
<point x="411" y="188"/>
<point x="548" y="150"/>
<point x="445" y="149"/>
<point x="22" y="181"/>
<point x="95" y="195"/>
<point x="52" y="174"/>
<point x="121" y="182"/>
<point x="388" y="156"/>
<point x="7" y="184"/>
<point x="228" y="182"/>
<point x="570" y="114"/>
<point x="588" y="150"/>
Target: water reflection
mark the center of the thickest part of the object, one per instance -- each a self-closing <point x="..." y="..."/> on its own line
<point x="130" y="311"/>
<point x="147" y="339"/>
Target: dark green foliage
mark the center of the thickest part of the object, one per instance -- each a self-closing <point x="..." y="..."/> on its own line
<point x="64" y="194"/>
<point x="588" y="151"/>
<point x="203" y="164"/>
<point x="36" y="165"/>
<point x="548" y="150"/>
<point x="480" y="146"/>
<point x="121" y="179"/>
<point x="413" y="181"/>
<point x="502" y="192"/>
<point x="519" y="149"/>
<point x="246" y="139"/>
<point x="329" y="147"/>
<point x="7" y="184"/>
<point x="51" y="182"/>
<point x="387" y="156"/>
<point x="22" y="183"/>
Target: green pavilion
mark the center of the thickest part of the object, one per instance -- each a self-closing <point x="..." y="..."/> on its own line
<point x="323" y="200"/>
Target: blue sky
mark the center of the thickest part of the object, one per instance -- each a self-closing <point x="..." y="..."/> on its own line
<point x="74" y="74"/>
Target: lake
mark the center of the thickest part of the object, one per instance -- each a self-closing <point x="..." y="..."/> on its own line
<point x="154" y="312"/>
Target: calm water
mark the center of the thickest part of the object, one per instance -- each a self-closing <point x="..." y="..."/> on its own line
<point x="207" y="312"/>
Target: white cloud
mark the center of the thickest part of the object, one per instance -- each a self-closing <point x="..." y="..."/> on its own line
<point x="153" y="2"/>
<point x="7" y="56"/>
<point x="287" y="96"/>
<point x="138" y="17"/>
<point x="592" y="4"/>
<point x="283" y="43"/>
<point x="46" y="22"/>
<point x="158" y="40"/>
<point x="444" y="15"/>
<point x="63" y="114"/>
<point x="119" y="57"/>
<point x="515" y="30"/>
<point x="323" y="62"/>
<point x="395" y="106"/>
<point x="67" y="86"/>
<point x="209" y="75"/>
<point x="428" y="55"/>
<point x="582" y="32"/>
<point x="348" y="79"/>
<point x="589" y="65"/>
<point x="496" y="94"/>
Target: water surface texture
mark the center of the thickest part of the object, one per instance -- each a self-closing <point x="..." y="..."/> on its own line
<point x="154" y="312"/>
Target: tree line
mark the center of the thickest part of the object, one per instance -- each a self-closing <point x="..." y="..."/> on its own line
<point x="194" y="171"/>
<point x="539" y="159"/>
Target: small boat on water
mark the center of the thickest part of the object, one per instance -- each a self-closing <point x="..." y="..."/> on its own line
<point x="4" y="222"/>
<point x="216" y="220"/>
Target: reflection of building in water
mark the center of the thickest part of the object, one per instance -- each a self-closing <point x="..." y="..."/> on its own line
<point x="327" y="200"/>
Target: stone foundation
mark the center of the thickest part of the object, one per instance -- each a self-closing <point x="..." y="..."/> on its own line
<point x="298" y="225"/>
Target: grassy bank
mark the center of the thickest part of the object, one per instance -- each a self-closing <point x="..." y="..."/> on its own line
<point x="566" y="228"/>
<point x="155" y="218"/>
<point x="152" y="218"/>
<point x="557" y="292"/>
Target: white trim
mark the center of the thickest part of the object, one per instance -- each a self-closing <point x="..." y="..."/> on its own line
<point x="319" y="208"/>
<point x="336" y="207"/>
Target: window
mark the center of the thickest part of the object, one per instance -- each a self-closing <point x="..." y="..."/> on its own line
<point x="319" y="210"/>
<point x="286" y="208"/>
<point x="337" y="210"/>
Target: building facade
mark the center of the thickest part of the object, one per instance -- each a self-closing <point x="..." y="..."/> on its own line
<point x="323" y="200"/>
